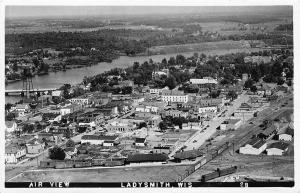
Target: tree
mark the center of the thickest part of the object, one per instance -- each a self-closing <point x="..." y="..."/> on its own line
<point x="215" y="94"/>
<point x="8" y="106"/>
<point x="172" y="61"/>
<point x="163" y="126"/>
<point x="28" y="128"/>
<point x="253" y="88"/>
<point x="57" y="153"/>
<point x="280" y="81"/>
<point x="171" y="82"/>
<point x="232" y="95"/>
<point x="249" y="83"/>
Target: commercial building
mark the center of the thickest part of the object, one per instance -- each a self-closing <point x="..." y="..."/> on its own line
<point x="97" y="139"/>
<point x="229" y="124"/>
<point x="254" y="147"/>
<point x="174" y="96"/>
<point x="14" y="153"/>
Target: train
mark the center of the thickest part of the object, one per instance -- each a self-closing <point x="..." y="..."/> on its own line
<point x="218" y="173"/>
<point x="82" y="163"/>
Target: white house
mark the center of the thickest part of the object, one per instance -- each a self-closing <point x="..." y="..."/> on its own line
<point x="277" y="148"/>
<point x="11" y="126"/>
<point x="13" y="154"/>
<point x="253" y="147"/>
<point x="286" y="134"/>
<point x="230" y="124"/>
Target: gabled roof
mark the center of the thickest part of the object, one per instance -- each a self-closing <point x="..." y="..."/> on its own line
<point x="140" y="140"/>
<point x="279" y="145"/>
<point x="269" y="130"/>
<point x="188" y="154"/>
<point x="146" y="158"/>
<point x="13" y="149"/>
<point x="256" y="142"/>
<point x="98" y="137"/>
<point x="288" y="131"/>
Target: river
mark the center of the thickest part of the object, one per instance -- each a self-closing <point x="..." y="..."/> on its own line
<point x="75" y="76"/>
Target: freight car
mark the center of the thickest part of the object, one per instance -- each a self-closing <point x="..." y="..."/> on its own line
<point x="209" y="176"/>
<point x="227" y="171"/>
<point x="200" y="163"/>
<point x="82" y="163"/>
<point x="64" y="164"/>
<point x="47" y="164"/>
<point x="111" y="163"/>
<point x="98" y="162"/>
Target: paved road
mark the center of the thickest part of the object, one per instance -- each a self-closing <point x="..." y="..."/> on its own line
<point x="200" y="137"/>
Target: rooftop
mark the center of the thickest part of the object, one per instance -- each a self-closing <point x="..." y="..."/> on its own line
<point x="256" y="142"/>
<point x="98" y="137"/>
<point x="279" y="145"/>
<point x="188" y="154"/>
<point x="146" y="158"/>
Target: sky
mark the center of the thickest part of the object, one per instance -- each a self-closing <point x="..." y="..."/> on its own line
<point x="43" y="11"/>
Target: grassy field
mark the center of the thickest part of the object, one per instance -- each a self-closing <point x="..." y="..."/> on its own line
<point x="201" y="47"/>
<point x="150" y="174"/>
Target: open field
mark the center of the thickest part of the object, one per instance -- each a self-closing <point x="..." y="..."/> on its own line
<point x="150" y="174"/>
<point x="232" y="46"/>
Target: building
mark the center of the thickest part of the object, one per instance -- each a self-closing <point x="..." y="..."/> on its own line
<point x="140" y="142"/>
<point x="157" y="90"/>
<point x="35" y="146"/>
<point x="230" y="124"/>
<point x="187" y="155"/>
<point x="254" y="147"/>
<point x="158" y="73"/>
<point x="162" y="149"/>
<point x="144" y="159"/>
<point x="204" y="82"/>
<point x="174" y="96"/>
<point x="10" y="126"/>
<point x="205" y="109"/>
<point x="83" y="100"/>
<point x="244" y="112"/>
<point x="57" y="94"/>
<point x="22" y="108"/>
<point x="286" y="134"/>
<point x="97" y="139"/>
<point x="176" y="113"/>
<point x="277" y="148"/>
<point x="14" y="153"/>
<point x="108" y="143"/>
<point x="192" y="125"/>
<point x="268" y="132"/>
<point x="70" y="109"/>
<point x="245" y="77"/>
<point x="122" y="125"/>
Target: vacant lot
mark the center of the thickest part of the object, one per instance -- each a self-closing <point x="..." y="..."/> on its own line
<point x="150" y="174"/>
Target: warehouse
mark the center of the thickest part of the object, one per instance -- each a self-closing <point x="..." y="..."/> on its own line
<point x="277" y="148"/>
<point x="144" y="159"/>
<point x="253" y="147"/>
